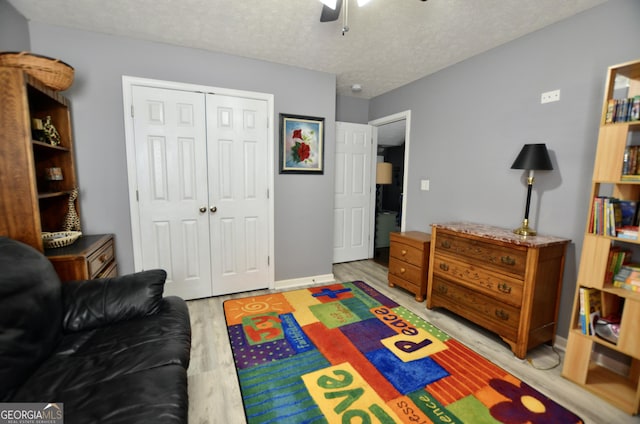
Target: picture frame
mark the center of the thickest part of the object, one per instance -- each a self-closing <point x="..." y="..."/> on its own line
<point x="301" y="144"/>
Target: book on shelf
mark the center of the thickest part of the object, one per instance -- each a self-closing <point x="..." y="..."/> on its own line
<point x="617" y="258"/>
<point x="614" y="217"/>
<point x="623" y="110"/>
<point x="630" y="287"/>
<point x="635" y="109"/>
<point x="630" y="162"/>
<point x="628" y="277"/>
<point x="629" y="232"/>
<point x="584" y="323"/>
<point x="592" y="307"/>
<point x="628" y="211"/>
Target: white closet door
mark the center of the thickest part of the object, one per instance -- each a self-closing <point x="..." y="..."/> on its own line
<point x="171" y="171"/>
<point x="237" y="138"/>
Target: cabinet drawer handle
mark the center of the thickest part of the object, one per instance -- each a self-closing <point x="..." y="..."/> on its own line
<point x="502" y="314"/>
<point x="442" y="289"/>
<point x="402" y="270"/>
<point x="444" y="266"/>
<point x="504" y="288"/>
<point x="103" y="258"/>
<point x="507" y="260"/>
<point x="403" y="252"/>
<point x="446" y="244"/>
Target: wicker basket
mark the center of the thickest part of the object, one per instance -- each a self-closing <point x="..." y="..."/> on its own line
<point x="59" y="239"/>
<point x="53" y="73"/>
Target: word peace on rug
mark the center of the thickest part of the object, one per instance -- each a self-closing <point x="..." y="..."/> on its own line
<point x="345" y="353"/>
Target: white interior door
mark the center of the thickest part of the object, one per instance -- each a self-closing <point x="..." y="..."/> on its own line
<point x="238" y="192"/>
<point x="202" y="179"/>
<point x="171" y="173"/>
<point x="353" y="194"/>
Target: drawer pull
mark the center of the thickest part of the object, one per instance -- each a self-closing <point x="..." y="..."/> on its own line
<point x="103" y="258"/>
<point x="403" y="252"/>
<point x="446" y="244"/>
<point x="442" y="289"/>
<point x="402" y="270"/>
<point x="444" y="266"/>
<point x="507" y="260"/>
<point x="502" y="314"/>
<point x="504" y="288"/>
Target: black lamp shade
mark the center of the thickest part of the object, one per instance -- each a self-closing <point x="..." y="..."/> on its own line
<point x="533" y="156"/>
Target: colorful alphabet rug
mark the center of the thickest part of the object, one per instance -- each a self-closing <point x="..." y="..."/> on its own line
<point x="345" y="353"/>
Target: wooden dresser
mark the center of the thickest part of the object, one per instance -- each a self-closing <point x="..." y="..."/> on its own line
<point x="89" y="257"/>
<point x="408" y="261"/>
<point x="506" y="283"/>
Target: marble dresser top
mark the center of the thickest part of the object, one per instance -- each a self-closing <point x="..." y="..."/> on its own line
<point x="501" y="234"/>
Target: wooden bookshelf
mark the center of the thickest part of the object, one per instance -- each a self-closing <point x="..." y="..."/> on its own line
<point x="623" y="391"/>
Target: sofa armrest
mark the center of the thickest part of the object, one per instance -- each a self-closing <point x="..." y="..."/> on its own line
<point x="94" y="303"/>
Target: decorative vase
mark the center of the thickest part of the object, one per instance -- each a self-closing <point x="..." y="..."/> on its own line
<point x="71" y="219"/>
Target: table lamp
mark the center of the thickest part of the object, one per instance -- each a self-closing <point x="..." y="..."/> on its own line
<point x="383" y="177"/>
<point x="532" y="157"/>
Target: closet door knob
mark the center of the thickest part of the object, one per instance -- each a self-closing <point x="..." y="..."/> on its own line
<point x="203" y="209"/>
<point x="213" y="209"/>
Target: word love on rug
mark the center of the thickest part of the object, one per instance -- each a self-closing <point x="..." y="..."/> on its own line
<point x="345" y="353"/>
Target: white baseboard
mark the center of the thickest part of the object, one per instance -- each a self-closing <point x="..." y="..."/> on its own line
<point x="560" y="343"/>
<point x="304" y="281"/>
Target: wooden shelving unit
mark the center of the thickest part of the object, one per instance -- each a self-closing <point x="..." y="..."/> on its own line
<point x="29" y="204"/>
<point x="580" y="366"/>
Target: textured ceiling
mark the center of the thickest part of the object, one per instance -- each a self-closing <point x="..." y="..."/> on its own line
<point x="390" y="42"/>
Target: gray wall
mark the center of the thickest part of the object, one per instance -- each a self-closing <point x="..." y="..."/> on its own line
<point x="14" y="30"/>
<point x="469" y="121"/>
<point x="352" y="109"/>
<point x="303" y="203"/>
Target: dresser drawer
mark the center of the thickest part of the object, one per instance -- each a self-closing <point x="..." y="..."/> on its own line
<point x="406" y="271"/>
<point x="100" y="259"/>
<point x="406" y="253"/>
<point x="499" y="286"/>
<point x="111" y="270"/>
<point x="484" y="310"/>
<point x="508" y="259"/>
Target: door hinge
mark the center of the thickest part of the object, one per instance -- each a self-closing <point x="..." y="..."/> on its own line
<point x="132" y="111"/>
<point x="137" y="196"/>
<point x="267" y="193"/>
<point x="268" y="261"/>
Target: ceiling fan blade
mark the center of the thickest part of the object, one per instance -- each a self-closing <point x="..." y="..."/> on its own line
<point x="330" y="15"/>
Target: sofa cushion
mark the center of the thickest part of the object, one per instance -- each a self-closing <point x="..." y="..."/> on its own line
<point x="94" y="303"/>
<point x="157" y="396"/>
<point x="85" y="358"/>
<point x="30" y="312"/>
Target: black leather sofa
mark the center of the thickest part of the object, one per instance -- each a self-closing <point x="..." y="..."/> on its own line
<point x="112" y="350"/>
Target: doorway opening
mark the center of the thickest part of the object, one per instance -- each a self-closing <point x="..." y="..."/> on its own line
<point x="391" y="170"/>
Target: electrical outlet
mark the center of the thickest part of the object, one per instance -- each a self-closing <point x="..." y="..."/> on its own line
<point x="550" y="96"/>
<point x="424" y="185"/>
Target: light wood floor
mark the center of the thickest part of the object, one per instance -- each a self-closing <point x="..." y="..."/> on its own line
<point x="214" y="394"/>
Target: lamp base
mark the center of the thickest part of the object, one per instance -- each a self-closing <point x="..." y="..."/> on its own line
<point x="524" y="229"/>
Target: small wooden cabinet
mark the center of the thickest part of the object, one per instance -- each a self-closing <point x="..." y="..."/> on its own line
<point x="88" y="258"/>
<point x="504" y="282"/>
<point x="408" y="261"/>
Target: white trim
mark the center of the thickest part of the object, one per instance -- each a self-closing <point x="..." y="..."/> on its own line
<point x="406" y="115"/>
<point x="127" y="88"/>
<point x="304" y="281"/>
<point x="560" y="343"/>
